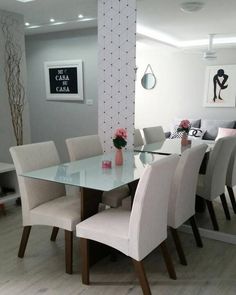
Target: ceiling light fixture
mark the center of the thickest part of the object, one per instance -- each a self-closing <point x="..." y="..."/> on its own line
<point x="190" y="6"/>
<point x="52" y="20"/>
<point x="80" y="16"/>
<point x="27" y="24"/>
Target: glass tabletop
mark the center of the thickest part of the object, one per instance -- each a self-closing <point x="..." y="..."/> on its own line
<point x="89" y="173"/>
<point x="172" y="146"/>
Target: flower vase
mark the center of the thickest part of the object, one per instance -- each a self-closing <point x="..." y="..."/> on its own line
<point x="119" y="157"/>
<point x="184" y="139"/>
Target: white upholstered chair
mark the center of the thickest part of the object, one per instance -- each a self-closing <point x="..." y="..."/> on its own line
<point x="44" y="202"/>
<point x="212" y="184"/>
<point x="181" y="206"/>
<point x="89" y="146"/>
<point x="231" y="178"/>
<point x="139" y="232"/>
<point x="154" y="134"/>
<point x="138" y="140"/>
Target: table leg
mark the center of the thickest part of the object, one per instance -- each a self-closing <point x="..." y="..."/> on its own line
<point x="90" y="200"/>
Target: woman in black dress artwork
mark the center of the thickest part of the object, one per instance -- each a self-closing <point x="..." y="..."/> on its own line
<point x="219" y="81"/>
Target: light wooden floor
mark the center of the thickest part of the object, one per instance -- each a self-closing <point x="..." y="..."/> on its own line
<point x="211" y="270"/>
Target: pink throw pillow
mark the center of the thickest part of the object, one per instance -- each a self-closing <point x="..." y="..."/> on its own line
<point x="223" y="132"/>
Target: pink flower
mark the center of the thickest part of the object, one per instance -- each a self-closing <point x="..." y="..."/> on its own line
<point x="184" y="124"/>
<point x="121" y="132"/>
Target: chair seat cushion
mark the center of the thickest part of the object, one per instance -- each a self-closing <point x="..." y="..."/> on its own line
<point x="114" y="197"/>
<point x="62" y="212"/>
<point x="109" y="227"/>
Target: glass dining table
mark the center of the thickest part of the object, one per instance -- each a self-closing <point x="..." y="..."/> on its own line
<point x="89" y="175"/>
<point x="172" y="146"/>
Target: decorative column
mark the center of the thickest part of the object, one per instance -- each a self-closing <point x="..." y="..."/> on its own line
<point x="116" y="69"/>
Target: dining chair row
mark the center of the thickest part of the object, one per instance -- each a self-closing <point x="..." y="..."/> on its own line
<point x="169" y="184"/>
<point x="220" y="172"/>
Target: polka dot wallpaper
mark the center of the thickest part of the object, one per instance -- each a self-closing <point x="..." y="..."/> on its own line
<point x="116" y="66"/>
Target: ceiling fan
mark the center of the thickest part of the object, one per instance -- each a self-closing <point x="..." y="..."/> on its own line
<point x="210" y="54"/>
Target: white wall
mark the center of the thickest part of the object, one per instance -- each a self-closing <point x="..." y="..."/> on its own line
<point x="180" y="85"/>
<point x="7" y="138"/>
<point x="58" y="120"/>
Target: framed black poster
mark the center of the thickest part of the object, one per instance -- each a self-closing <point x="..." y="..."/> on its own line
<point x="64" y="80"/>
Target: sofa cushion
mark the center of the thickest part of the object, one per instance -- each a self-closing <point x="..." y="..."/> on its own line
<point x="212" y="126"/>
<point x="196" y="133"/>
<point x="223" y="132"/>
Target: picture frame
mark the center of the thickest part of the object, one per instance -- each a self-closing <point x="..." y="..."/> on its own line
<point x="220" y="86"/>
<point x="64" y="80"/>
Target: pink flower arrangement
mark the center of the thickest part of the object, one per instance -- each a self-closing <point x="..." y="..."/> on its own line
<point x="120" y="138"/>
<point x="184" y="126"/>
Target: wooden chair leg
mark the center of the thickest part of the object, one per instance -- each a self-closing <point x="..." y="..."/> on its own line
<point x="178" y="246"/>
<point x="140" y="271"/>
<point x="232" y="198"/>
<point x="54" y="234"/>
<point x="212" y="215"/>
<point x="69" y="251"/>
<point x="84" y="256"/>
<point x="225" y="206"/>
<point x="196" y="232"/>
<point x="168" y="261"/>
<point x="24" y="241"/>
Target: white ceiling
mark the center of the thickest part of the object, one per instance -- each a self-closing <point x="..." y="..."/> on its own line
<point x="179" y="28"/>
<point x="39" y="12"/>
<point x="159" y="19"/>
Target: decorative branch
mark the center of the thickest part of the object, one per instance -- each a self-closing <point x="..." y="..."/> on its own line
<point x="12" y="68"/>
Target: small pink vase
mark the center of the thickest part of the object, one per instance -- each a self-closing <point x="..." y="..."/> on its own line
<point x="184" y="139"/>
<point x="119" y="157"/>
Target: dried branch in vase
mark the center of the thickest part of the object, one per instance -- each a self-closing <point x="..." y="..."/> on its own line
<point x="12" y="68"/>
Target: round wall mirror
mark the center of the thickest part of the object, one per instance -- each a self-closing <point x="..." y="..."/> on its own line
<point x="148" y="81"/>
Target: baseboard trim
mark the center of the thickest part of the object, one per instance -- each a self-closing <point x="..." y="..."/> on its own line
<point x="210" y="234"/>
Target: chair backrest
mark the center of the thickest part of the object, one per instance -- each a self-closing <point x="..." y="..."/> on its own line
<point x="138" y="140"/>
<point x="182" y="195"/>
<point x="148" y="221"/>
<point x="154" y="134"/>
<point x="217" y="167"/>
<point x="231" y="171"/>
<point x="84" y="147"/>
<point x="35" y="192"/>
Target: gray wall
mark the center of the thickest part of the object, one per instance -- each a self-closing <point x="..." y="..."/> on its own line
<point x="7" y="137"/>
<point x="179" y="92"/>
<point x="58" y="120"/>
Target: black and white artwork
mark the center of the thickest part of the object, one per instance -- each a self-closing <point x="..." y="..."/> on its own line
<point x="64" y="80"/>
<point x="220" y="88"/>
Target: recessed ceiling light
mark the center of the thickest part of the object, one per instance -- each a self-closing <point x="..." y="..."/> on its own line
<point x="191" y="6"/>
<point x="80" y="16"/>
<point x="27" y="24"/>
<point x="52" y="20"/>
<point x="24" y="1"/>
